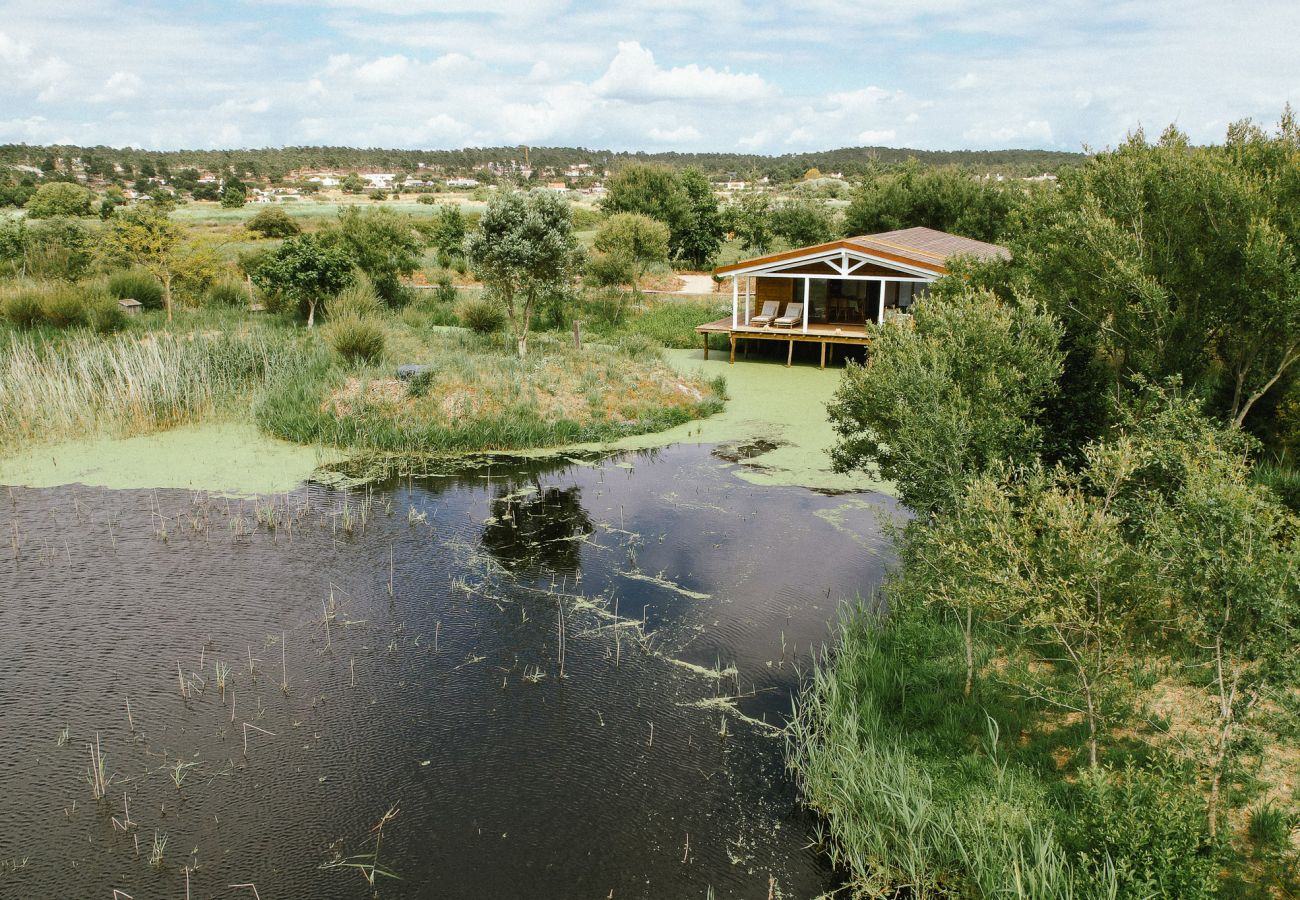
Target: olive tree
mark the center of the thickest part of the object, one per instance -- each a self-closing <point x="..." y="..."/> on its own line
<point x="524" y="251"/>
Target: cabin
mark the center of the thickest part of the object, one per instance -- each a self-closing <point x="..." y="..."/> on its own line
<point x="829" y="293"/>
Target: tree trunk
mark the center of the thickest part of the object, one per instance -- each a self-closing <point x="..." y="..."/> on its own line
<point x="167" y="294"/>
<point x="311" y="313"/>
<point x="970" y="652"/>
<point x="522" y="340"/>
<point x="1288" y="360"/>
<point x="1227" y="704"/>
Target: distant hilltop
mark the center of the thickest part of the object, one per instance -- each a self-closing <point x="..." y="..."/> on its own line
<point x="529" y="162"/>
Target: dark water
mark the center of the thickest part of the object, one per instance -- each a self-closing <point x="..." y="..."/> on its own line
<point x="630" y="776"/>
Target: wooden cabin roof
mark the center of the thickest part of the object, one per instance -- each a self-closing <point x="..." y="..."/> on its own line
<point x="926" y="248"/>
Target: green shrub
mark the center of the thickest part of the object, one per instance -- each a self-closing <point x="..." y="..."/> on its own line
<point x="639" y="346"/>
<point x="481" y="316"/>
<point x="427" y="199"/>
<point x="446" y="291"/>
<point x="136" y="284"/>
<point x="273" y="223"/>
<point x="21" y="307"/>
<point x="105" y="316"/>
<point x="226" y="292"/>
<point x="355" y="339"/>
<point x="358" y="300"/>
<point x="1149" y="825"/>
<point x="1282" y="480"/>
<point x="66" y="306"/>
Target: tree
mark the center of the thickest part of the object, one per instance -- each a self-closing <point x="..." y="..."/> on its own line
<point x="1177" y="260"/>
<point x="635" y="241"/>
<point x="699" y="234"/>
<point x="946" y="199"/>
<point x="524" y="251"/>
<point x="144" y="237"/>
<point x="304" y="271"/>
<point x="750" y="220"/>
<point x="448" y="231"/>
<point x="1046" y="556"/>
<point x="1224" y="551"/>
<point x="948" y="395"/>
<point x="352" y="183"/>
<point x="273" y="222"/>
<point x="653" y="191"/>
<point x="382" y="243"/>
<point x="803" y="222"/>
<point x="48" y="248"/>
<point x="60" y="198"/>
<point x="233" y="196"/>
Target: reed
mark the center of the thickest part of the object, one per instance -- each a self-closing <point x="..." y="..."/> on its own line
<point x="126" y="385"/>
<point x="157" y="849"/>
<point x="97" y="774"/>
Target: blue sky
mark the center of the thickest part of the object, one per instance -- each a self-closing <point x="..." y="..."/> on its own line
<point x="771" y="77"/>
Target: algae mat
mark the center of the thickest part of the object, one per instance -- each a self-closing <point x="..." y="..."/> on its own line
<point x="776" y="418"/>
<point x="221" y="457"/>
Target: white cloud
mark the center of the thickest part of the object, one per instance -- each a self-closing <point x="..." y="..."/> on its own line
<point x="119" y="86"/>
<point x="680" y="135"/>
<point x="877" y="136"/>
<point x="633" y="75"/>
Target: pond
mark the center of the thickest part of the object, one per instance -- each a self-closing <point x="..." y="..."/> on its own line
<point x="547" y="678"/>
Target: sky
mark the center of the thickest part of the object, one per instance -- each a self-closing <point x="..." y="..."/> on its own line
<point x="767" y="76"/>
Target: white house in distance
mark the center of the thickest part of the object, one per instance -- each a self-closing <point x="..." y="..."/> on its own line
<point x="379" y="180"/>
<point x="462" y="182"/>
<point x="829" y="293"/>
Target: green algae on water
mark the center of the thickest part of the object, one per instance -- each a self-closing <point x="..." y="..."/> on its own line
<point x="218" y="457"/>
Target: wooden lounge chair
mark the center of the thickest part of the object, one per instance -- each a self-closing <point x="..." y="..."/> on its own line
<point x="771" y="309"/>
<point x="793" y="316"/>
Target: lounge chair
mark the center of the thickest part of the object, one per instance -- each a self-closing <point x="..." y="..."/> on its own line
<point x="793" y="316"/>
<point x="771" y="309"/>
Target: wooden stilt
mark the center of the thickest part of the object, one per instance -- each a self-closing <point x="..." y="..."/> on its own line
<point x="832" y="354"/>
<point x="789" y="356"/>
<point x="823" y="354"/>
<point x="706" y="346"/>
<point x="733" y="349"/>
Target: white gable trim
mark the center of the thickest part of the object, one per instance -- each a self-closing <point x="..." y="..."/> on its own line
<point x="844" y="262"/>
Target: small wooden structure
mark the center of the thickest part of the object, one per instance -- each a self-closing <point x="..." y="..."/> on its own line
<point x="130" y="306"/>
<point x="843" y="286"/>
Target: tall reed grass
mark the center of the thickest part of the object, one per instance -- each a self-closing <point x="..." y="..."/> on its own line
<point x="882" y="747"/>
<point x="85" y="385"/>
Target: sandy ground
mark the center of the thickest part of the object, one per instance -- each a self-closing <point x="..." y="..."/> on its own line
<point x="767" y="402"/>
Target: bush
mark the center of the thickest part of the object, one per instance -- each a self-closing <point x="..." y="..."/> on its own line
<point x="21" y="307"/>
<point x="427" y="199"/>
<point x="66" y="306"/>
<point x="446" y="292"/>
<point x="639" y="346"/>
<point x="105" y="316"/>
<point x="273" y="223"/>
<point x="1150" y="825"/>
<point x="137" y="284"/>
<point x="60" y="198"/>
<point x="358" y="301"/>
<point x="355" y="339"/>
<point x="481" y="316"/>
<point x="226" y="292"/>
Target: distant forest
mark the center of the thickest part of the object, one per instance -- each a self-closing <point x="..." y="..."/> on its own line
<point x="274" y="163"/>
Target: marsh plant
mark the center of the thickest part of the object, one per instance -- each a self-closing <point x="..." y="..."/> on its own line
<point x="123" y="385"/>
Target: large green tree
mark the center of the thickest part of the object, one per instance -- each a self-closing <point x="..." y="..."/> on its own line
<point x="382" y="243"/>
<point x="947" y="199"/>
<point x="698" y="236"/>
<point x="950" y="394"/>
<point x="305" y="271"/>
<point x="60" y="198"/>
<point x="144" y="236"/>
<point x="1174" y="260"/>
<point x="525" y="252"/>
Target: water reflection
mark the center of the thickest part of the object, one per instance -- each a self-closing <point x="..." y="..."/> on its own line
<point x="537" y="527"/>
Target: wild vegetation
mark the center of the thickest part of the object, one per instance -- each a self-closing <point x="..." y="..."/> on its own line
<point x="1085" y="686"/>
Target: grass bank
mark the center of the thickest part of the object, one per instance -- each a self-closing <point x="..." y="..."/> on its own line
<point x="477" y="395"/>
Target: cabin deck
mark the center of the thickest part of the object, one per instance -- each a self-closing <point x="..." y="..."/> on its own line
<point x="823" y="333"/>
